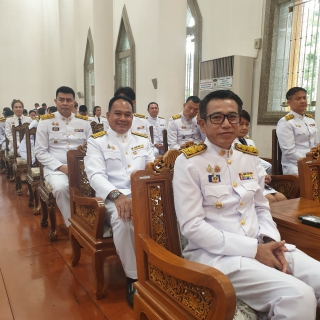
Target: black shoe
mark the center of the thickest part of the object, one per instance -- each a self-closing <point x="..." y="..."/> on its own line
<point x="130" y="291"/>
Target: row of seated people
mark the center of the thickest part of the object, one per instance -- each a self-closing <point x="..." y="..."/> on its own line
<point x="114" y="154"/>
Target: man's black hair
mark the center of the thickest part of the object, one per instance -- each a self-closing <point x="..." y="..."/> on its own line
<point x="36" y="104"/>
<point x="25" y="112"/>
<point x="94" y="110"/>
<point x="8" y="113"/>
<point x="293" y="91"/>
<point x="32" y="111"/>
<point x="219" y="95"/>
<point x="151" y="104"/>
<point x="44" y="104"/>
<point x="127" y="91"/>
<point x="41" y="111"/>
<point x="64" y="89"/>
<point x="125" y="98"/>
<point x="6" y="108"/>
<point x="52" y="109"/>
<point x="83" y="108"/>
<point x="194" y="99"/>
<point x="245" y="115"/>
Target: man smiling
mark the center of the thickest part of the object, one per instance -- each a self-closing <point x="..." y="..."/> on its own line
<point x="218" y="195"/>
<point x="111" y="158"/>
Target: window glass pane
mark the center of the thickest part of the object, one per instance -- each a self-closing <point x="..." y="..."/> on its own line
<point x="124" y="72"/>
<point x="124" y="41"/>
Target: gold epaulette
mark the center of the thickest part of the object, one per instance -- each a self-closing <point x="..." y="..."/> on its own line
<point x="98" y="134"/>
<point x="47" y="116"/>
<point x="194" y="150"/>
<point x="140" y="134"/>
<point x="37" y="118"/>
<point x="103" y="117"/>
<point x="139" y="115"/>
<point x="309" y="115"/>
<point x="247" y="149"/>
<point x="79" y="116"/>
<point x="289" y="116"/>
<point x="161" y="117"/>
<point x="2" y="119"/>
<point x="177" y="116"/>
<point x="247" y="137"/>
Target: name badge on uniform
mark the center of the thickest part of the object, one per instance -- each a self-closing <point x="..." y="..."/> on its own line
<point x="78" y="130"/>
<point x="55" y="129"/>
<point x="141" y="127"/>
<point x="246" y="175"/>
<point x="140" y="146"/>
<point x="161" y="124"/>
<point x="312" y="124"/>
<point x="214" y="178"/>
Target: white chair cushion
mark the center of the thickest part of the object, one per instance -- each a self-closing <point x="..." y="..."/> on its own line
<point x="21" y="161"/>
<point x="35" y="172"/>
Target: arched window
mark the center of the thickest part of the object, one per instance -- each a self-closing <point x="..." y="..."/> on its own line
<point x="125" y="55"/>
<point x="193" y="48"/>
<point x="89" y="74"/>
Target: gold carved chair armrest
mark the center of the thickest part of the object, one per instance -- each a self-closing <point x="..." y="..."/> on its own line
<point x="287" y="184"/>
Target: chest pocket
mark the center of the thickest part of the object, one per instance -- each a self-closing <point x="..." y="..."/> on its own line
<point x="249" y="189"/>
<point x="55" y="136"/>
<point x="79" y="135"/>
<point x="215" y="192"/>
<point x="112" y="155"/>
<point x="140" y="153"/>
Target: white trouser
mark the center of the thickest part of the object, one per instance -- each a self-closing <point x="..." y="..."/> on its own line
<point x="60" y="190"/>
<point x="123" y="238"/>
<point x="284" y="296"/>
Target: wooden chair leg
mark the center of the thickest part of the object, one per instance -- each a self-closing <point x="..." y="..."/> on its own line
<point x="36" y="207"/>
<point x="44" y="209"/>
<point x="11" y="173"/>
<point x="52" y="217"/>
<point x="76" y="249"/>
<point x="31" y="195"/>
<point x="98" y="264"/>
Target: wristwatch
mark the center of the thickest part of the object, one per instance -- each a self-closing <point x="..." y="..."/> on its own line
<point x="113" y="195"/>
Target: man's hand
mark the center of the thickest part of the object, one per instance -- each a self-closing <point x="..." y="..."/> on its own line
<point x="267" y="179"/>
<point x="279" y="254"/>
<point x="124" y="207"/>
<point x="64" y="169"/>
<point x="159" y="146"/>
<point x="271" y="254"/>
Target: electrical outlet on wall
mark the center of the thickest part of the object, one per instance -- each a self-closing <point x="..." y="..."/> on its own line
<point x="257" y="43"/>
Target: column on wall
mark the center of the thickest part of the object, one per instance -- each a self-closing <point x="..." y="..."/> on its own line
<point x="171" y="55"/>
<point x="103" y="52"/>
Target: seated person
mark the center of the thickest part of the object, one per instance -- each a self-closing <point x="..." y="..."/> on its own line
<point x="271" y="194"/>
<point x="57" y="133"/>
<point x="111" y="158"/>
<point x="297" y="131"/>
<point x="98" y="118"/>
<point x="83" y="110"/>
<point x="226" y="219"/>
<point x="158" y="124"/>
<point x="33" y="114"/>
<point x="23" y="144"/>
<point x="183" y="127"/>
<point x="17" y="119"/>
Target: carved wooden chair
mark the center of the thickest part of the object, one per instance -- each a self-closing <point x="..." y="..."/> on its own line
<point x="96" y="127"/>
<point x="19" y="165"/>
<point x="2" y="160"/>
<point x="88" y="228"/>
<point x="168" y="286"/>
<point x="9" y="158"/>
<point x="48" y="205"/>
<point x="165" y="140"/>
<point x="33" y="174"/>
<point x="276" y="154"/>
<point x="309" y="174"/>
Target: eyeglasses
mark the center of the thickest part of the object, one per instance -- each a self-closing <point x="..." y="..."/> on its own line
<point x="218" y="118"/>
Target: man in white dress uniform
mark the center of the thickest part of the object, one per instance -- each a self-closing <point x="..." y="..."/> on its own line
<point x="297" y="131"/>
<point x="57" y="133"/>
<point x="111" y="158"/>
<point x="225" y="217"/>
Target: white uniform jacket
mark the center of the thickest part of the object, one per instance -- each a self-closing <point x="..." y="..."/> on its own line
<point x="297" y="134"/>
<point x="2" y="133"/>
<point x="56" y="136"/>
<point x="224" y="220"/>
<point x="158" y="124"/>
<point x="8" y="129"/>
<point x="112" y="157"/>
<point x="181" y="130"/>
<point x="102" y="120"/>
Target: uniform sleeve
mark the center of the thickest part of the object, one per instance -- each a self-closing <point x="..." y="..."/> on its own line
<point x="41" y="149"/>
<point x="287" y="144"/>
<point x="8" y="131"/>
<point x="191" y="216"/>
<point x="88" y="130"/>
<point x="267" y="226"/>
<point x="172" y="135"/>
<point x="96" y="169"/>
<point x="150" y="150"/>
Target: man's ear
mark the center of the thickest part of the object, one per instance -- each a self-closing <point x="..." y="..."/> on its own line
<point x="201" y="123"/>
<point x="108" y="115"/>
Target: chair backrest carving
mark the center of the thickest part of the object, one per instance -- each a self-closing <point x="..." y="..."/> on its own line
<point x="96" y="127"/>
<point x="276" y="154"/>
